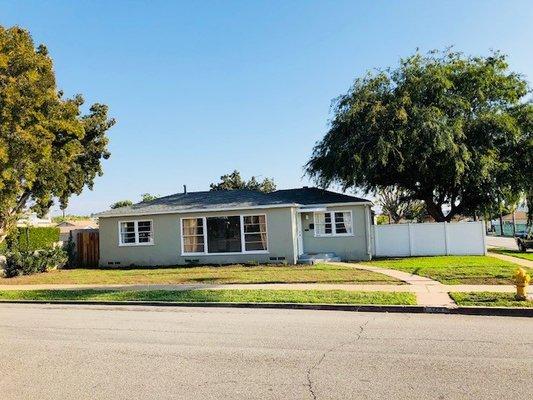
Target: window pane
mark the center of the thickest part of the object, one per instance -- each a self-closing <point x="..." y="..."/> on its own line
<point x="193" y="244"/>
<point x="343" y="222"/>
<point x="192" y="232"/>
<point x="127" y="232"/>
<point x="224" y="234"/>
<point x="254" y="223"/>
<point x="255" y="246"/>
<point x="193" y="226"/>
<point x="144" y="229"/>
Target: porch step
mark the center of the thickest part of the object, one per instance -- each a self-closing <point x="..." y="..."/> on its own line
<point x="317" y="258"/>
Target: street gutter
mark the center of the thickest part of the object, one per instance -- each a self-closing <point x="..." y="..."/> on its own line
<point x="414" y="309"/>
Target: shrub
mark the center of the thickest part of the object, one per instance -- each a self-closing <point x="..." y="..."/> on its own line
<point x="31" y="238"/>
<point x="31" y="262"/>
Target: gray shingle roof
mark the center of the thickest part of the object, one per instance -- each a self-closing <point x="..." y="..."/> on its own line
<point x="237" y="199"/>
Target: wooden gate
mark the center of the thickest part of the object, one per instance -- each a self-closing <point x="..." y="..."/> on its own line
<point x="87" y="248"/>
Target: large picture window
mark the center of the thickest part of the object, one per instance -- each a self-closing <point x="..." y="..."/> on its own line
<point x="226" y="234"/>
<point x="133" y="233"/>
<point x="333" y="223"/>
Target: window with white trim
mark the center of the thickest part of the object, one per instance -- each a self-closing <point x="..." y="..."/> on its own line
<point x="255" y="234"/>
<point x="333" y="223"/>
<point x="193" y="235"/>
<point x="133" y="233"/>
<point x="235" y="234"/>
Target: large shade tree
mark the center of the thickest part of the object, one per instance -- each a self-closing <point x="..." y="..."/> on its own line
<point x="451" y="130"/>
<point x="234" y="181"/>
<point x="48" y="148"/>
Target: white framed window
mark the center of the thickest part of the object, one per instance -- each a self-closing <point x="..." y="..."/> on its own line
<point x="333" y="223"/>
<point x="255" y="232"/>
<point x="193" y="235"/>
<point x="135" y="233"/>
<point x="232" y="234"/>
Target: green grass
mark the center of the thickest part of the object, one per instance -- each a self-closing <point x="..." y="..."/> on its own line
<point x="453" y="270"/>
<point x="320" y="273"/>
<point x="228" y="296"/>
<point x="514" y="253"/>
<point x="489" y="299"/>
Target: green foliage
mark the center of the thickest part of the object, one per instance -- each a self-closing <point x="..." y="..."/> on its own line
<point x="37" y="238"/>
<point x="447" y="129"/>
<point x="28" y="262"/>
<point x="121" y="203"/>
<point x="31" y="238"/>
<point x="148" y="197"/>
<point x="382" y="219"/>
<point x="399" y="206"/>
<point x="48" y="149"/>
<point x="234" y="181"/>
<point x="70" y="217"/>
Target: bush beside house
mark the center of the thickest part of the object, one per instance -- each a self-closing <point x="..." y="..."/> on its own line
<point x="30" y="250"/>
<point x="33" y="238"/>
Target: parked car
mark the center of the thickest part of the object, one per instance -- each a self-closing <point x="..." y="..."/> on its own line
<point x="524" y="241"/>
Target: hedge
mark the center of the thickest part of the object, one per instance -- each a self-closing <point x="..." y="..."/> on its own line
<point x="39" y="237"/>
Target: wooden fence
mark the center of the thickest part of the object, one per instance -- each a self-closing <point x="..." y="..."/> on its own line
<point x="87" y="248"/>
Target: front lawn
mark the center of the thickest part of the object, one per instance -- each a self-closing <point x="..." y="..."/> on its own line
<point x="454" y="270"/>
<point x="489" y="299"/>
<point x="514" y="253"/>
<point x="217" y="296"/>
<point x="320" y="273"/>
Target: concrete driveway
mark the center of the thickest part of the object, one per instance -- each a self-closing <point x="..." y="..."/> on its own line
<point x="503" y="242"/>
<point x="88" y="352"/>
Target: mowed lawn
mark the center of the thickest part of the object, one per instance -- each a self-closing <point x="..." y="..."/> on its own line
<point x="217" y="296"/>
<point x="515" y="253"/>
<point x="320" y="273"/>
<point x="489" y="299"/>
<point x="453" y="270"/>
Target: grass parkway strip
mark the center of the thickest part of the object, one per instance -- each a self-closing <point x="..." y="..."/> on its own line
<point x="489" y="299"/>
<point x="232" y="274"/>
<point x="222" y="296"/>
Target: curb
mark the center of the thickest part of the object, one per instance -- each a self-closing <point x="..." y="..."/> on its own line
<point x="412" y="309"/>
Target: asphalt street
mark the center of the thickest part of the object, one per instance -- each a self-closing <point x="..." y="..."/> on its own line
<point x="106" y="352"/>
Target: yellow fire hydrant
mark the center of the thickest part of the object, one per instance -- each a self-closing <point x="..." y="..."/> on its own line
<point x="521" y="279"/>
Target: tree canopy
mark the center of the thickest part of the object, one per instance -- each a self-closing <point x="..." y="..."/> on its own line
<point x="147" y="197"/>
<point x="234" y="181"/>
<point x="121" y="203"/>
<point x="451" y="130"/>
<point x="48" y="148"/>
<point x="398" y="207"/>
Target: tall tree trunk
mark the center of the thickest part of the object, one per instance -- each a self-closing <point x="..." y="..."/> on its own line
<point x="501" y="224"/>
<point x="514" y="224"/>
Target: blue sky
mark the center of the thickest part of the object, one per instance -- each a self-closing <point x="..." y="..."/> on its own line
<point x="202" y="88"/>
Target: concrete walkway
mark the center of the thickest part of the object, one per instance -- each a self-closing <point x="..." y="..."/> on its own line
<point x="515" y="260"/>
<point x="428" y="292"/>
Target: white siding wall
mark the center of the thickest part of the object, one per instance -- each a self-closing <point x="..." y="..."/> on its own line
<point x="402" y="240"/>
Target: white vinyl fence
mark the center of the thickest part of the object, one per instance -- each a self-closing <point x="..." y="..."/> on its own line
<point x="429" y="239"/>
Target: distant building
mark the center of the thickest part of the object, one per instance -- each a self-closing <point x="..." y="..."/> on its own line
<point x="66" y="226"/>
<point x="31" y="219"/>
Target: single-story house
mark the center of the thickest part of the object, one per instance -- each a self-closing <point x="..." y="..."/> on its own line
<point x="237" y="226"/>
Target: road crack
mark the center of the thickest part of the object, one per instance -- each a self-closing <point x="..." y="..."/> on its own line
<point x="310" y="385"/>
